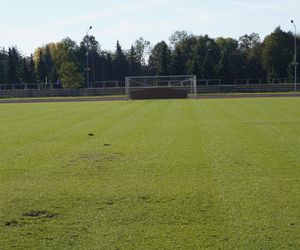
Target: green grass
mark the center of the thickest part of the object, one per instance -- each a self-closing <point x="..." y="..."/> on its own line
<point x="183" y="174"/>
<point x="248" y="93"/>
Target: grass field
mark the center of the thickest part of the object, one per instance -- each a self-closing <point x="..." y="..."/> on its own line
<point x="188" y="174"/>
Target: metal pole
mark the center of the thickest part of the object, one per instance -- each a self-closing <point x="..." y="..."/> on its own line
<point x="87" y="70"/>
<point x="126" y="88"/>
<point x="295" y="58"/>
<point x="87" y="60"/>
<point x="195" y="86"/>
<point x="295" y="53"/>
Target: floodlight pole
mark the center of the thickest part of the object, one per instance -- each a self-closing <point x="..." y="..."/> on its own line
<point x="87" y="60"/>
<point x="295" y="53"/>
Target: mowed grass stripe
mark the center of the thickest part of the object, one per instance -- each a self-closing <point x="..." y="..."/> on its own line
<point x="176" y="174"/>
<point x="256" y="169"/>
<point x="65" y="125"/>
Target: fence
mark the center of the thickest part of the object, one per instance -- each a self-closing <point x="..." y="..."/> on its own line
<point x="249" y="81"/>
<point x="253" y="88"/>
<point x="209" y="82"/>
<point x="61" y="92"/>
<point x="26" y="86"/>
<point x="201" y="89"/>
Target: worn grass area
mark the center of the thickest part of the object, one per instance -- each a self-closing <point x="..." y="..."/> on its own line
<point x="186" y="174"/>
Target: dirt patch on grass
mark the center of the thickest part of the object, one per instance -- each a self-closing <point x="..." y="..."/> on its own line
<point x="99" y="157"/>
<point x="33" y="214"/>
<point x="12" y="223"/>
<point x="109" y="203"/>
<point x="143" y="198"/>
<point x="95" y="159"/>
<point x="39" y="214"/>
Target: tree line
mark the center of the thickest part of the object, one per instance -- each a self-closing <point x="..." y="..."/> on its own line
<point x="65" y="62"/>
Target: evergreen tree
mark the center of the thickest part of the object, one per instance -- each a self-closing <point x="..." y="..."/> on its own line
<point x="120" y="64"/>
<point x="14" y="66"/>
<point x="32" y="74"/>
<point x="3" y="66"/>
<point x="108" y="73"/>
<point x="134" y="66"/>
<point x="25" y="70"/>
<point x="41" y="69"/>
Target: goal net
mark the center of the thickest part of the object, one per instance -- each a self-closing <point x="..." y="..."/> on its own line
<point x="160" y="87"/>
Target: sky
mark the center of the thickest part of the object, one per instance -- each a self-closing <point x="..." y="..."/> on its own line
<point x="29" y="24"/>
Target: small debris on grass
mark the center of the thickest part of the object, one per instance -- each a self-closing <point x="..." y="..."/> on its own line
<point x="109" y="202"/>
<point x="11" y="223"/>
<point x="39" y="214"/>
<point x="106" y="144"/>
<point x="143" y="197"/>
<point x="91" y="134"/>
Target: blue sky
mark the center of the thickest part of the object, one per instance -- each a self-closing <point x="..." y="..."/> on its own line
<point x="32" y="23"/>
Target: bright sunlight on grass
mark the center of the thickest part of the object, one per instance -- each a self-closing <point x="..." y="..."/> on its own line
<point x="186" y="174"/>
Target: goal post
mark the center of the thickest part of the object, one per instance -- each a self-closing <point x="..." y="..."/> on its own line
<point x="160" y="87"/>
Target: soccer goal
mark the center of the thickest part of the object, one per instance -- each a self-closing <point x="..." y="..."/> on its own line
<point x="161" y="87"/>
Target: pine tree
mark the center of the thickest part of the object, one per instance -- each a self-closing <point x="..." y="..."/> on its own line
<point x="32" y="73"/>
<point x="14" y="66"/>
<point x="134" y="66"/>
<point x="41" y="69"/>
<point x="3" y="66"/>
<point x="108" y="72"/>
<point x="120" y="64"/>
